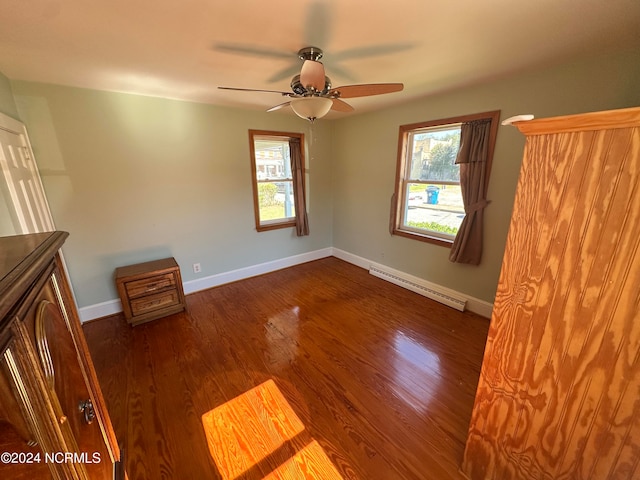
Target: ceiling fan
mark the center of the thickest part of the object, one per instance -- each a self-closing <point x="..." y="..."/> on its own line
<point x="312" y="95"/>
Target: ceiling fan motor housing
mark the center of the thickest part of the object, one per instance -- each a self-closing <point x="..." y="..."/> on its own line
<point x="299" y="89"/>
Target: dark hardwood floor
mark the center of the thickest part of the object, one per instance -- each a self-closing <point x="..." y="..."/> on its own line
<point x="382" y="378"/>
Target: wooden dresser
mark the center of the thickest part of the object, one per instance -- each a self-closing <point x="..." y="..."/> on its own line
<point x="560" y="381"/>
<point x="53" y="418"/>
<point x="150" y="290"/>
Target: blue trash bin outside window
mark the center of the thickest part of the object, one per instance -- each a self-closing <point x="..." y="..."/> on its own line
<point x="432" y="195"/>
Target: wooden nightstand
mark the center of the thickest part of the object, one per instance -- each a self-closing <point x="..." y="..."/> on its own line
<point x="150" y="290"/>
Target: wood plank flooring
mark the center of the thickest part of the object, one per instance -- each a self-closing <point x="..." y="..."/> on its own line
<point x="382" y="379"/>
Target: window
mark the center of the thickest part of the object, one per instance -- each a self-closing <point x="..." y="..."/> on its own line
<point x="428" y="197"/>
<point x="274" y="189"/>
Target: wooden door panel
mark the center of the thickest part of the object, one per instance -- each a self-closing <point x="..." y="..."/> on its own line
<point x="68" y="388"/>
<point x="21" y="185"/>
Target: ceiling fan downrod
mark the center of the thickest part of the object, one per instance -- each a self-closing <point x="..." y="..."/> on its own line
<point x="310" y="53"/>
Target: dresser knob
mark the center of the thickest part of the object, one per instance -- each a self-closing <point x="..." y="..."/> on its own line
<point x="86" y="407"/>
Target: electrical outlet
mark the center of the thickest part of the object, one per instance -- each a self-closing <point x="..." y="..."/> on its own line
<point x="196" y="268"/>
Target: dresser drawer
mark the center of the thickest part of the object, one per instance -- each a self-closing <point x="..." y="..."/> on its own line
<point x="149" y="303"/>
<point x="150" y="285"/>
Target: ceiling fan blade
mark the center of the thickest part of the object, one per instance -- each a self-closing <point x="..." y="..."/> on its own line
<point x="371" y="50"/>
<point x="285" y="73"/>
<point x="341" y="106"/>
<point x="312" y="75"/>
<point x="352" y="91"/>
<point x="317" y="25"/>
<point x="286" y="94"/>
<point x="340" y="71"/>
<point x="251" y="50"/>
<point x="278" y="107"/>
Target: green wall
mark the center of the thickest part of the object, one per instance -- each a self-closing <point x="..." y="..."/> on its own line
<point x="365" y="153"/>
<point x="7" y="102"/>
<point x="136" y="178"/>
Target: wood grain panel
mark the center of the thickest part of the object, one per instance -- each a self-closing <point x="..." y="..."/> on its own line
<point x="560" y="377"/>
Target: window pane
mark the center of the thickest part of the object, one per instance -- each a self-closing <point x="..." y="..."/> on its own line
<point x="434" y="208"/>
<point x="272" y="159"/>
<point x="275" y="200"/>
<point x="433" y="154"/>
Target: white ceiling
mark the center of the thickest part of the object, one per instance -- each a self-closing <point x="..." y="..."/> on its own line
<point x="185" y="49"/>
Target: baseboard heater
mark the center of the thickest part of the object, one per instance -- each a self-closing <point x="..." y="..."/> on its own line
<point x="430" y="290"/>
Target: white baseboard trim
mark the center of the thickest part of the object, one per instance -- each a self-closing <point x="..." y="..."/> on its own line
<point x="99" y="310"/>
<point x="480" y="307"/>
<point x="112" y="307"/>
<point x="351" y="258"/>
<point x="234" y="275"/>
<point x="434" y="291"/>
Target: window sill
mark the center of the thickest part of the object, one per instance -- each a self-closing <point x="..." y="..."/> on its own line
<point x="423" y="237"/>
<point x="274" y="226"/>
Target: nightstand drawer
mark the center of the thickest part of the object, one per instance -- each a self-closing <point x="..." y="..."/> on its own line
<point x="150" y="285"/>
<point x="149" y="303"/>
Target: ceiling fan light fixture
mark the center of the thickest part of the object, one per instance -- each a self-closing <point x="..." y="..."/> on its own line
<point x="311" y="107"/>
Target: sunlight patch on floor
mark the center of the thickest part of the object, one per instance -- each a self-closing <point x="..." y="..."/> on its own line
<point x="311" y="462"/>
<point x="257" y="435"/>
